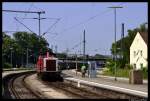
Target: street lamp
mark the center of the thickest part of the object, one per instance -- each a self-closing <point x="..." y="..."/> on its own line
<point x="115" y="7"/>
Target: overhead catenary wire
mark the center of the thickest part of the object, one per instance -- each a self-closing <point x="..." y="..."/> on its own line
<point x="38" y="8"/>
<point x="15" y="11"/>
<point x="52" y="26"/>
<point x="17" y="27"/>
<point x="77" y="25"/>
<point x="75" y="46"/>
<point x="23" y="25"/>
<point x="37" y="18"/>
<point x="10" y="31"/>
<point x="57" y="19"/>
<point x="91" y="18"/>
<point x="19" y="11"/>
<point x="29" y="9"/>
<point x="7" y="31"/>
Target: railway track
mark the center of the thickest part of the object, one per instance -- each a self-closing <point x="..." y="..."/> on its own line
<point x="15" y="87"/>
<point x="74" y="91"/>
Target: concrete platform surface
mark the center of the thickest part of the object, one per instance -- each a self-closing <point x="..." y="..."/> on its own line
<point x="111" y="83"/>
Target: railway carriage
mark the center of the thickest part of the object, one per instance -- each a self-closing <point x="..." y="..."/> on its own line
<point x="47" y="68"/>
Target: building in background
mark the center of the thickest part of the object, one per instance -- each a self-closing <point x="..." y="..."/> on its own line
<point x="139" y="51"/>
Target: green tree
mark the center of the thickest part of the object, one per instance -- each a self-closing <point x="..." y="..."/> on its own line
<point x="20" y="42"/>
<point x="6" y="47"/>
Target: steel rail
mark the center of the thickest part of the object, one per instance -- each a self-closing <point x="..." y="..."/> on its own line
<point x="18" y="89"/>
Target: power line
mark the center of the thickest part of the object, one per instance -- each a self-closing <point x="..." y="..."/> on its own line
<point x="17" y="27"/>
<point x="51" y="26"/>
<point x="28" y="9"/>
<point x="24" y="16"/>
<point x="17" y="11"/>
<point x="23" y="11"/>
<point x="7" y="31"/>
<point x="57" y="19"/>
<point x="77" y="25"/>
<point x="75" y="46"/>
<point x="23" y="24"/>
<point x="38" y="8"/>
<point x="91" y="18"/>
<point x="37" y="18"/>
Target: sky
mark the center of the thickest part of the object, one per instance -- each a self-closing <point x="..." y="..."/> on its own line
<point x="94" y="17"/>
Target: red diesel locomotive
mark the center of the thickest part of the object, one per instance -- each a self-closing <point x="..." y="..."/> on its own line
<point x="47" y="68"/>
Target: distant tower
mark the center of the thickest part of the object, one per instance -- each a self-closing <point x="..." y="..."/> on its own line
<point x="84" y="58"/>
<point x="55" y="48"/>
<point x="122" y="36"/>
<point x="67" y="50"/>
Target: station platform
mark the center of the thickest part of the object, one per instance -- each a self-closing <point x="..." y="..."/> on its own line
<point x="121" y="85"/>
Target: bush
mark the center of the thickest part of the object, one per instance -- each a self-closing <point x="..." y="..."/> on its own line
<point x="110" y="65"/>
<point x="120" y="63"/>
<point x="7" y="65"/>
<point x="145" y="72"/>
<point x="144" y="69"/>
<point x="128" y="66"/>
<point x="105" y="69"/>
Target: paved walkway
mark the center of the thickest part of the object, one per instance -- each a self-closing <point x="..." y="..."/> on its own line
<point x="104" y="80"/>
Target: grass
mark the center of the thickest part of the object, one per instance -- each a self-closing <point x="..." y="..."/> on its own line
<point x="119" y="73"/>
<point x="123" y="73"/>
